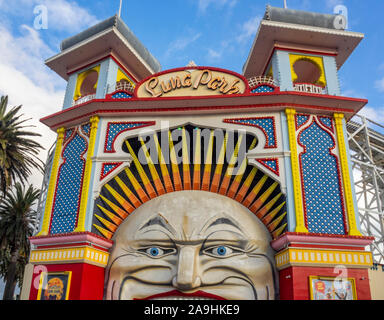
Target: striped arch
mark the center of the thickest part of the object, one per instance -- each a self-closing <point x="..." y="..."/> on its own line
<point x="190" y="158"/>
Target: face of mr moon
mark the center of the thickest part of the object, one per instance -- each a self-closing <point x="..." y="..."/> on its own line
<point x="191" y="244"/>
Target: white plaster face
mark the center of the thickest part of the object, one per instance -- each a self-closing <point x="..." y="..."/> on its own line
<point x="191" y="244"/>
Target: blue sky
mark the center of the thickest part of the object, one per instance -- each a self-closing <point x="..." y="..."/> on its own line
<point x="210" y="32"/>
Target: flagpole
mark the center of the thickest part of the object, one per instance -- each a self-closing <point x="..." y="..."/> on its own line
<point x="121" y="3"/>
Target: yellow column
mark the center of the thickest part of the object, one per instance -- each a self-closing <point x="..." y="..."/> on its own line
<point x="87" y="175"/>
<point x="297" y="193"/>
<point x="353" y="231"/>
<point x="52" y="183"/>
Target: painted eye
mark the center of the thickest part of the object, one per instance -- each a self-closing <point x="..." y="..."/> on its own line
<point x="221" y="251"/>
<point x="155" y="251"/>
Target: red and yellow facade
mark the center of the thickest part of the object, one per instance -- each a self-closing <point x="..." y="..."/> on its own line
<point x="296" y="175"/>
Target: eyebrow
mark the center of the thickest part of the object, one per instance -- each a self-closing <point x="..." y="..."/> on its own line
<point x="160" y="221"/>
<point x="224" y="221"/>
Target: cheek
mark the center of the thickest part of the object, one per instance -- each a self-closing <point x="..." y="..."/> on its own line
<point x="142" y="268"/>
<point x="256" y="269"/>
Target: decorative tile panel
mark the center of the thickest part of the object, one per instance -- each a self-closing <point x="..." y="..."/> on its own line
<point x="321" y="182"/>
<point x="69" y="184"/>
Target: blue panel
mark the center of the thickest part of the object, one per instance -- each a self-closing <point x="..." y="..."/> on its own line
<point x="70" y="91"/>
<point x="121" y="95"/>
<point x="263" y="89"/>
<point x="321" y="185"/>
<point x="284" y="70"/>
<point x="331" y="75"/>
<point x="291" y="215"/>
<point x="67" y="200"/>
<point x="300" y="120"/>
<point x="115" y="128"/>
<point x="267" y="125"/>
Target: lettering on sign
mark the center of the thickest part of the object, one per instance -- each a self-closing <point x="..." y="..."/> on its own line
<point x="192" y="82"/>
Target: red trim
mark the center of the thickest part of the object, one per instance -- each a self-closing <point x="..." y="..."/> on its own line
<point x="314" y="120"/>
<point x="325" y="246"/>
<point x="152" y="110"/>
<point x="71" y="245"/>
<point x="292" y="93"/>
<point x="325" y="235"/>
<point x="61" y="235"/>
<point x="267" y="146"/>
<point x="246" y="91"/>
<point x="59" y="172"/>
<point x="143" y="125"/>
<point x="262" y="162"/>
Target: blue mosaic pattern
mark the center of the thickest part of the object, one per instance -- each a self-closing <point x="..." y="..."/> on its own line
<point x="267" y="125"/>
<point x="323" y="197"/>
<point x="67" y="200"/>
<point x="327" y="122"/>
<point x="86" y="128"/>
<point x="114" y="129"/>
<point x="300" y="120"/>
<point x="121" y="95"/>
<point x="68" y="133"/>
<point x="263" y="89"/>
<point x="107" y="168"/>
<point x="271" y="164"/>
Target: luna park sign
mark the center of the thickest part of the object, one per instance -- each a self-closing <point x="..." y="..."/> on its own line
<point x="192" y="81"/>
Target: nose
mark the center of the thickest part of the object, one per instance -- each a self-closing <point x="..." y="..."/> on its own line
<point x="187" y="276"/>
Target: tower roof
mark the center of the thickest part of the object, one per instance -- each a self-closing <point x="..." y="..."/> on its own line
<point x="110" y="35"/>
<point x="300" y="17"/>
<point x="298" y="30"/>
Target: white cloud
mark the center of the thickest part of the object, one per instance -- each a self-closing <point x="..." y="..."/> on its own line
<point x="249" y="29"/>
<point x="28" y="82"/>
<point x="24" y="77"/>
<point x="67" y="15"/>
<point x="214" y="55"/>
<point x="379" y="84"/>
<point x="204" y="4"/>
<point x="63" y="15"/>
<point x="333" y="3"/>
<point x="181" y="43"/>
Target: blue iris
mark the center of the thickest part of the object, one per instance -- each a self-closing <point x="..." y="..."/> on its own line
<point x="221" y="251"/>
<point x="154" y="251"/>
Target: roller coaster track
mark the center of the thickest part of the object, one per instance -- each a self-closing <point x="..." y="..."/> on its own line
<point x="366" y="144"/>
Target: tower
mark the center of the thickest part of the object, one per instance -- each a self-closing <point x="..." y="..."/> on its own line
<point x="272" y="140"/>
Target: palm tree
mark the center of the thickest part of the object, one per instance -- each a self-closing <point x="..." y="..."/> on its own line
<point x="17" y="218"/>
<point x="18" y="153"/>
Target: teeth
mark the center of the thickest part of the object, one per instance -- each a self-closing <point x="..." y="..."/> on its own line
<point x="182" y="298"/>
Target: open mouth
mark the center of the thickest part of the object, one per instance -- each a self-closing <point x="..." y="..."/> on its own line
<point x="178" y="295"/>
